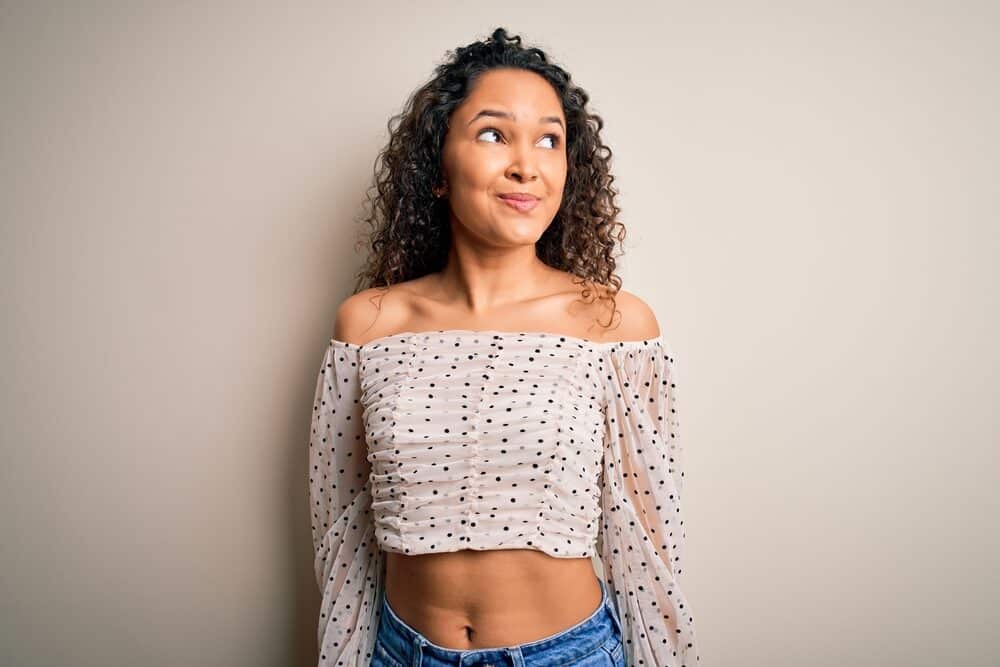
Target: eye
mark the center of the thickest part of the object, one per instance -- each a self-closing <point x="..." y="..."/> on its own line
<point x="489" y="129"/>
<point x="554" y="137"/>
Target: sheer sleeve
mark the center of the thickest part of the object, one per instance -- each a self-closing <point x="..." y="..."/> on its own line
<point x="641" y="535"/>
<point x="349" y="565"/>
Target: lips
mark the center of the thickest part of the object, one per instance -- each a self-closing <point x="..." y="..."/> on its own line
<point x="521" y="203"/>
<point x="519" y="196"/>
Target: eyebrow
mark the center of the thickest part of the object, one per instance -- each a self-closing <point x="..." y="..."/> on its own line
<point x="504" y="114"/>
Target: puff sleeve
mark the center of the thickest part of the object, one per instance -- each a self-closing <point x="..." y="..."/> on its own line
<point x="349" y="565"/>
<point x="641" y="534"/>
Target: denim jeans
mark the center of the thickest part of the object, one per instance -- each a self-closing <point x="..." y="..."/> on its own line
<point x="595" y="641"/>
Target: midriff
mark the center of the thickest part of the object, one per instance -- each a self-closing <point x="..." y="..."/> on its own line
<point x="472" y="599"/>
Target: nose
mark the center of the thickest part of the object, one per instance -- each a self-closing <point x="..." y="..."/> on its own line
<point x="523" y="166"/>
<point x="518" y="172"/>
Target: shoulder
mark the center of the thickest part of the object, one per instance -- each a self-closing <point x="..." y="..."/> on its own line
<point x="352" y="314"/>
<point x="356" y="315"/>
<point x="636" y="319"/>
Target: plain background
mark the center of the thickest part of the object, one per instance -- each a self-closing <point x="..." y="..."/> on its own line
<point x="812" y="203"/>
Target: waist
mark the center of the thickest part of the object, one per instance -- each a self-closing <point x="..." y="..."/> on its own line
<point x="468" y="598"/>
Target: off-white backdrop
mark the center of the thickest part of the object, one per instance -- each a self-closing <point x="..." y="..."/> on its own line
<point x="811" y="192"/>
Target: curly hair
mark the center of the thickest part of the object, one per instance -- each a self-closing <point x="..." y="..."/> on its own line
<point x="410" y="235"/>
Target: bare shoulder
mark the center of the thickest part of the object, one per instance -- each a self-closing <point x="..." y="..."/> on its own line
<point x="358" y="314"/>
<point x="353" y="315"/>
<point x="636" y="319"/>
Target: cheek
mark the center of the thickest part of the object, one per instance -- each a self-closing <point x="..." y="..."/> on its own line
<point x="557" y="181"/>
<point x="480" y="173"/>
<point x="469" y="167"/>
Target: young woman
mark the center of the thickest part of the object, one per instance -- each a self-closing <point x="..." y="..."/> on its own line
<point x="495" y="419"/>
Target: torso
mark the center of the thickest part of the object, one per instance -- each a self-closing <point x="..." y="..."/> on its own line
<point x="483" y="599"/>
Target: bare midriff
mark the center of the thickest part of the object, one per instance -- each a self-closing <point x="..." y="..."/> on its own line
<point x="472" y="599"/>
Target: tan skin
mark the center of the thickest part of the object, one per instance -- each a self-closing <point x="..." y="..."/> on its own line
<point x="472" y="599"/>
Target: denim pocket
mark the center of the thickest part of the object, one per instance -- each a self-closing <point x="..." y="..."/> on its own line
<point x="614" y="649"/>
<point x="382" y="657"/>
<point x="615" y="653"/>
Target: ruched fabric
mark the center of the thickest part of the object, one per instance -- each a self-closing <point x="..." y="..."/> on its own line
<point x="456" y="439"/>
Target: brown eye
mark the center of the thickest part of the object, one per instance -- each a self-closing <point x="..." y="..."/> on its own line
<point x="555" y="139"/>
<point x="490" y="129"/>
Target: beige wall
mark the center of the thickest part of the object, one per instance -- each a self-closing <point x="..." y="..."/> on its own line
<point x="811" y="191"/>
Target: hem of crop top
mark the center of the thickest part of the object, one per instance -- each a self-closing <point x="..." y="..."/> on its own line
<point x="530" y="334"/>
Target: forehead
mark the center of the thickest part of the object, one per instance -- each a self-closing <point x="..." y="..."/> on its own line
<point x="526" y="94"/>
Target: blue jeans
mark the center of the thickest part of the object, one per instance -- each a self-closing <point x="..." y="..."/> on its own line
<point x="596" y="641"/>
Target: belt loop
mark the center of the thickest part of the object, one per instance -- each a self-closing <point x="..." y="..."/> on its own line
<point x="418" y="651"/>
<point x="516" y="657"/>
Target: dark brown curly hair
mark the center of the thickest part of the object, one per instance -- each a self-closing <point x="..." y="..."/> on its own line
<point x="410" y="234"/>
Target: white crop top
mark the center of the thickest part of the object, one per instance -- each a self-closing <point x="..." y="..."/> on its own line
<point x="457" y="439"/>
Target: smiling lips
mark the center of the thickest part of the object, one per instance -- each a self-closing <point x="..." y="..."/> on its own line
<point x="520" y="201"/>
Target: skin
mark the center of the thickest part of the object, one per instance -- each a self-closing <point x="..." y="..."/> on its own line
<point x="472" y="599"/>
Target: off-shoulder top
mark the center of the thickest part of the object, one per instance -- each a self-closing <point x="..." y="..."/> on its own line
<point x="457" y="439"/>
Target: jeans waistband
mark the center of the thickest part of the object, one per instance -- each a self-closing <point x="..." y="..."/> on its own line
<point x="409" y="645"/>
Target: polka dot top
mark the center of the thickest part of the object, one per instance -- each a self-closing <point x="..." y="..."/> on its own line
<point x="457" y="439"/>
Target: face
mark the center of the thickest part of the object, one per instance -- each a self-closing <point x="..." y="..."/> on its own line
<point x="507" y="136"/>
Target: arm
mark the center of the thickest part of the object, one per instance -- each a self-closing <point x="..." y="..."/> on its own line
<point x="348" y="564"/>
<point x="642" y="529"/>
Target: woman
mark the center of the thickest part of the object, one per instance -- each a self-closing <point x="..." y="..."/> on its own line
<point x="481" y="433"/>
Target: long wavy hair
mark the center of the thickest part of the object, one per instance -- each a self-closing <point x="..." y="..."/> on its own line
<point x="409" y="234"/>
